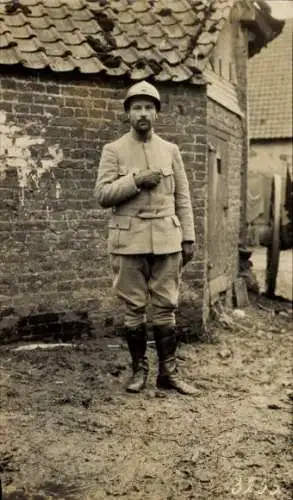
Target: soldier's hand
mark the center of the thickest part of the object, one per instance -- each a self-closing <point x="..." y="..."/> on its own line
<point x="147" y="178"/>
<point x="188" y="248"/>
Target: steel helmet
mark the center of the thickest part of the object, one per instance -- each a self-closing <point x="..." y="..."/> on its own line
<point x="142" y="89"/>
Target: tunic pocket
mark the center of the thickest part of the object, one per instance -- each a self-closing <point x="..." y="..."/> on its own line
<point x="177" y="224"/>
<point x="176" y="221"/>
<point x="119" y="231"/>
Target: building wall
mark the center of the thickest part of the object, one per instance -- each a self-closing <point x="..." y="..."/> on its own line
<point x="225" y="133"/>
<point x="53" y="234"/>
<point x="230" y="60"/>
<point x="228" y="134"/>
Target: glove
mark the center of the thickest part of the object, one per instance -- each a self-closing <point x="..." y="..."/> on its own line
<point x="147" y="178"/>
<point x="188" y="248"/>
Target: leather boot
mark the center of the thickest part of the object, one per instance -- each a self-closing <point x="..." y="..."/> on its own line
<point x="137" y="343"/>
<point x="168" y="377"/>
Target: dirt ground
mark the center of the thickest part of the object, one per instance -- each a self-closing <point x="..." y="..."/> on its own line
<point x="70" y="431"/>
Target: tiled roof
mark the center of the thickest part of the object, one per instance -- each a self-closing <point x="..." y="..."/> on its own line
<point x="163" y="39"/>
<point x="270" y="88"/>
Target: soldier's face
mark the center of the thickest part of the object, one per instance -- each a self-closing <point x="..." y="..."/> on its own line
<point x="142" y="114"/>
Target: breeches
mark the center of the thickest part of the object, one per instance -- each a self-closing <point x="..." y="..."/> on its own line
<point x="147" y="279"/>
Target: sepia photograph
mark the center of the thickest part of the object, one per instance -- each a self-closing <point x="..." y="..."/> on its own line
<point x="146" y="250"/>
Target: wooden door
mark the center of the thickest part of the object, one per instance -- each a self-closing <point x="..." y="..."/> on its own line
<point x="218" y="197"/>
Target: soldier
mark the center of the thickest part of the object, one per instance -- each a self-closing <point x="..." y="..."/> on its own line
<point x="151" y="233"/>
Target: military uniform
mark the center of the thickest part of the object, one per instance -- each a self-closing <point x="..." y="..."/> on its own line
<point x="146" y="231"/>
<point x="145" y="223"/>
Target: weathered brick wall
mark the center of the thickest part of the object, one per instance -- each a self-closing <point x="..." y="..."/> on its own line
<point x="53" y="234"/>
<point x="226" y="243"/>
<point x="232" y="129"/>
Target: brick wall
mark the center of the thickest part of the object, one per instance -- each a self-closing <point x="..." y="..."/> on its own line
<point x="226" y="239"/>
<point x="53" y="234"/>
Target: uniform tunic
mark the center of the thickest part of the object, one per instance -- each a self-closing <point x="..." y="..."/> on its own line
<point x="145" y="221"/>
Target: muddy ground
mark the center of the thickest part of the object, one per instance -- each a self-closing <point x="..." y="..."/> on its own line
<point x="69" y="431"/>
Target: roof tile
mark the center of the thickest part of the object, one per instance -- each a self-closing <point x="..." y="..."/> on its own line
<point x="165" y="74"/>
<point x="182" y="74"/>
<point x="143" y="43"/>
<point x="167" y="20"/>
<point x="16" y="20"/>
<point x="129" y="55"/>
<point x="182" y="6"/>
<point x="126" y="17"/>
<point x="21" y="32"/>
<point x="9" y="56"/>
<point x="58" y="12"/>
<point x="35" y="60"/>
<point x="140" y="6"/>
<point x="193" y="31"/>
<point x="62" y="63"/>
<point x="147" y="18"/>
<point x="82" y="15"/>
<point x="205" y="38"/>
<point x="42" y="22"/>
<point x="173" y="57"/>
<point x="91" y="65"/>
<point x="183" y="45"/>
<point x="57" y="49"/>
<point x="152" y="54"/>
<point x="7" y="40"/>
<point x="82" y="51"/>
<point x="123" y="41"/>
<point x="141" y="73"/>
<point x="140" y="38"/>
<point x="3" y="27"/>
<point x="72" y="37"/>
<point x="47" y="36"/>
<point x="175" y="31"/>
<point x="186" y="18"/>
<point x="37" y="10"/>
<point x="30" y="45"/>
<point x="88" y="27"/>
<point x="157" y="31"/>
